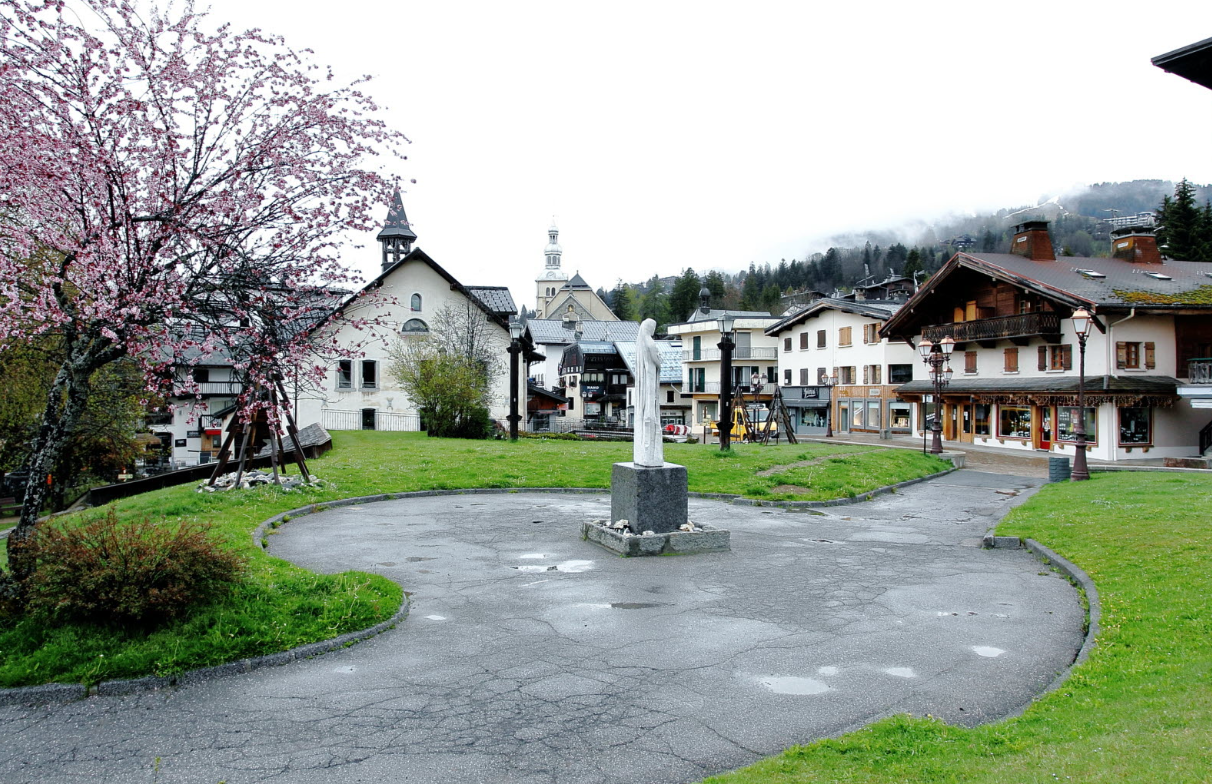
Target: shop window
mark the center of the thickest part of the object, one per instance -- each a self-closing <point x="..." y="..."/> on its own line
<point x="900" y="374"/>
<point x="969" y="361"/>
<point x="1011" y="360"/>
<point x="1135" y="427"/>
<point x="812" y="417"/>
<point x="1014" y="422"/>
<point x="873" y="414"/>
<point x="370" y="374"/>
<point x="858" y="415"/>
<point x="345" y="374"/>
<point x="899" y="416"/>
<point x="1066" y="421"/>
<point x="980" y="419"/>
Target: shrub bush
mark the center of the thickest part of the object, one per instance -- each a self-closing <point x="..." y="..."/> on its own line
<point x="139" y="572"/>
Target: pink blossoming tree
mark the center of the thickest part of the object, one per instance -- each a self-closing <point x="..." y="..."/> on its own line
<point x="167" y="193"/>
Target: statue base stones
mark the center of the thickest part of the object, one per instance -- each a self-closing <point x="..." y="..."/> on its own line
<point x="648" y="515"/>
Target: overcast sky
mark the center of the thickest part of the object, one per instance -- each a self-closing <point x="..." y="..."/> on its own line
<point x="665" y="135"/>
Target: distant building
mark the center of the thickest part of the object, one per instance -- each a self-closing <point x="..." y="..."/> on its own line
<point x="557" y="295"/>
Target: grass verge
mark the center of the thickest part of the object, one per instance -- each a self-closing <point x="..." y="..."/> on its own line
<point x="1140" y="709"/>
<point x="280" y="606"/>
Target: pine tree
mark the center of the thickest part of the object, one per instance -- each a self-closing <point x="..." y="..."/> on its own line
<point x="621" y="303"/>
<point x="1180" y="232"/>
<point x="913" y="263"/>
<point x="718" y="287"/>
<point x="685" y="295"/>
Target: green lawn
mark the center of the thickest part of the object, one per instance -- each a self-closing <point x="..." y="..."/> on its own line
<point x="280" y="606"/>
<point x="1139" y="710"/>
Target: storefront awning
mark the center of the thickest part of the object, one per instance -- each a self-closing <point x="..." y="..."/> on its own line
<point x="1157" y="391"/>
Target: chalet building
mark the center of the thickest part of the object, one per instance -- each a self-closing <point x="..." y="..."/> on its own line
<point x="672" y="408"/>
<point x="837" y="369"/>
<point x="399" y="304"/>
<point x="551" y="336"/>
<point x="894" y="288"/>
<point x="600" y="377"/>
<point x="559" y="296"/>
<point x="1016" y="356"/>
<point x="756" y="354"/>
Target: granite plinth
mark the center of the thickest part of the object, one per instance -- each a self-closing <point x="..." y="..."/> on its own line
<point x="650" y="498"/>
<point x="704" y="540"/>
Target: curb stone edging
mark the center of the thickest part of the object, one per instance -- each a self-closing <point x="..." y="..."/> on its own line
<point x="71" y="692"/>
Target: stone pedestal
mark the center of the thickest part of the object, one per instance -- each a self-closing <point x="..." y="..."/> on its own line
<point x="649" y="498"/>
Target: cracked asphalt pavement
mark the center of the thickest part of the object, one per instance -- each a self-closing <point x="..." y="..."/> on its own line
<point x="533" y="657"/>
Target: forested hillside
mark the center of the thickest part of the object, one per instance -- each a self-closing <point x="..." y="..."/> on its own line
<point x="1078" y="224"/>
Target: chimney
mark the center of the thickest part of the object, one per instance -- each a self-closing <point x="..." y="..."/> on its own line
<point x="1136" y="245"/>
<point x="1031" y="240"/>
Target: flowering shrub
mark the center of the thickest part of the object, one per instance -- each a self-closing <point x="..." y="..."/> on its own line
<point x="139" y="572"/>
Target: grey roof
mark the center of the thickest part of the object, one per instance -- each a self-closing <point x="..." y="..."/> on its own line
<point x="552" y="331"/>
<point x="396" y="224"/>
<point x="715" y="314"/>
<point x="577" y="282"/>
<point x="597" y="347"/>
<point x="868" y="308"/>
<point x="1120" y="277"/>
<point x="671" y="358"/>
<point x="495" y="298"/>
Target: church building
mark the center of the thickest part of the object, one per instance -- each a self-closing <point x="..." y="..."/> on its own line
<point x="557" y="296"/>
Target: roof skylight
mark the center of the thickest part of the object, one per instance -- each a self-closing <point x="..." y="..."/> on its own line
<point x="1089" y="273"/>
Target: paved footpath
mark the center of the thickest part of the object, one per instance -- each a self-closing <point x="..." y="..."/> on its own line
<point x="533" y="657"/>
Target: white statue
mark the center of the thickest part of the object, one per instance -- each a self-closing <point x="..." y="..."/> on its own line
<point x="648" y="446"/>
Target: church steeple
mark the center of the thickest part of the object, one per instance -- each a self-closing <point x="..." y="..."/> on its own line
<point x="396" y="237"/>
<point x="553" y="251"/>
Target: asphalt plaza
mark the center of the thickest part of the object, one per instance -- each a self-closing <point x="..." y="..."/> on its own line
<point x="530" y="655"/>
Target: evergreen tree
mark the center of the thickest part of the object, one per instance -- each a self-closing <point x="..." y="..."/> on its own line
<point x="685" y="295"/>
<point x="621" y="303"/>
<point x="751" y="291"/>
<point x="654" y="303"/>
<point x="718" y="287"/>
<point x="1180" y="232"/>
<point x="988" y="242"/>
<point x="913" y="263"/>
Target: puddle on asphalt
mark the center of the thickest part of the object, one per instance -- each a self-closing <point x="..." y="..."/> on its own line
<point x="636" y="605"/>
<point x="826" y="671"/>
<point x="386" y="563"/>
<point x="435" y="617"/>
<point x="344" y="670"/>
<point x="901" y="672"/>
<point x="416" y="558"/>
<point x="790" y="684"/>
<point x="533" y="556"/>
<point x="987" y="651"/>
<point x="572" y="567"/>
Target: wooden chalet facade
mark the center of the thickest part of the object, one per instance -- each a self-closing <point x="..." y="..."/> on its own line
<point x="1015" y="362"/>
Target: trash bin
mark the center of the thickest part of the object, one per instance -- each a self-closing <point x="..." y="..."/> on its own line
<point x="1058" y="469"/>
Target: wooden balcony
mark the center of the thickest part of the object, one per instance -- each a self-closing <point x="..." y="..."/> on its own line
<point x="1018" y="329"/>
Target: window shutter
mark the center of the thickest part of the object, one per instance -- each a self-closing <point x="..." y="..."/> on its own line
<point x="876" y="373"/>
<point x="1011" y="356"/>
<point x="866" y="374"/>
<point x="804" y="377"/>
<point x="1067" y="357"/>
<point x="969" y="361"/>
<point x="1121" y="354"/>
<point x="1043" y="358"/>
<point x="786" y="344"/>
<point x="803" y="340"/>
<point x="1150" y="359"/>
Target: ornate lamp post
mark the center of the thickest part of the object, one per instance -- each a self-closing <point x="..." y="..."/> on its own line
<point x="938" y="360"/>
<point x="829" y="382"/>
<point x="516" y="328"/>
<point x="1081" y="326"/>
<point x="725" y="346"/>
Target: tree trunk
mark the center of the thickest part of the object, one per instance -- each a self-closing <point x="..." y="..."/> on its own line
<point x="65" y="403"/>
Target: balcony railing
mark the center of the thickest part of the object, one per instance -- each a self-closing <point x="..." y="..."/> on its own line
<point x="713" y="388"/>
<point x="1023" y="325"/>
<point x="231" y="388"/>
<point x="740" y="352"/>
<point x="1199" y="371"/>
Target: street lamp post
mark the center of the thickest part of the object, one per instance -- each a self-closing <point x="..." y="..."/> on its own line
<point x="938" y="360"/>
<point x="725" y="346"/>
<point x="830" y="382"/>
<point x="1081" y="326"/>
<point x="516" y="328"/>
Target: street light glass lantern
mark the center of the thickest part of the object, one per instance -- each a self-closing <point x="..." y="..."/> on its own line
<point x="727" y="321"/>
<point x="516" y="328"/>
<point x="1081" y="322"/>
<point x="947" y="374"/>
<point x="947" y="345"/>
<point x="925" y="347"/>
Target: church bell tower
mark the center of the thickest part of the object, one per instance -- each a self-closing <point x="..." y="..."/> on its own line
<point x="397" y="236"/>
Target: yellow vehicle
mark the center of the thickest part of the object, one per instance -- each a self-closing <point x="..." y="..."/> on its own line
<point x="757" y="419"/>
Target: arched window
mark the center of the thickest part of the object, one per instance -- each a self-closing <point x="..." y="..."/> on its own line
<point x="415" y="305"/>
<point x="415" y="327"/>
